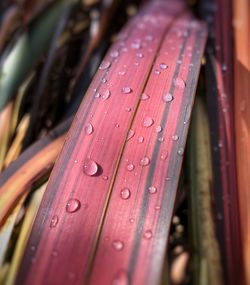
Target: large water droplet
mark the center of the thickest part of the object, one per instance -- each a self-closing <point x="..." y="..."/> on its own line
<point x="148" y="122"/>
<point x="130" y="167"/>
<point x="90" y="167"/>
<point x="104" y="65"/>
<point x="54" y="221"/>
<point x="118" y="245"/>
<point x="73" y="205"/>
<point x="125" y="193"/>
<point x="148" y="234"/>
<point x="144" y="96"/>
<point x="163" y="66"/>
<point x="179" y="83"/>
<point x="122" y="72"/>
<point x="140" y="139"/>
<point x="145" y="161"/>
<point x="152" y="189"/>
<point x="106" y="94"/>
<point x="88" y="129"/>
<point x="126" y="90"/>
<point x="131" y="133"/>
<point x="167" y="97"/>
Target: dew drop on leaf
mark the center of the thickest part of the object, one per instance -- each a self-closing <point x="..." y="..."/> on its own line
<point x="89" y="129"/>
<point x="145" y="161"/>
<point x="152" y="189"/>
<point x="163" y="65"/>
<point x="118" y="245"/>
<point x="167" y="98"/>
<point x="148" y="122"/>
<point x="181" y="151"/>
<point x="157" y="71"/>
<point x="105" y="65"/>
<point x="148" y="234"/>
<point x="175" y="138"/>
<point x="73" y="205"/>
<point x="144" y="96"/>
<point x="140" y="139"/>
<point x="158" y="129"/>
<point x="125" y="193"/>
<point x="130" y="167"/>
<point x="54" y="221"/>
<point x="90" y="167"/>
<point x="179" y="83"/>
<point x="126" y="90"/>
<point x="106" y="94"/>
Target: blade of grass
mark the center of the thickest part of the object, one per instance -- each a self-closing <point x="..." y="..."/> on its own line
<point x="92" y="167"/>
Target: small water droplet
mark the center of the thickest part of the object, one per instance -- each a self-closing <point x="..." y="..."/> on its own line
<point x="104" y="80"/>
<point x="148" y="122"/>
<point x="128" y="109"/>
<point x="125" y="193"/>
<point x="88" y="129"/>
<point x="90" y="167"/>
<point x="224" y="67"/>
<point x="181" y="151"/>
<point x="145" y="161"/>
<point x="122" y="72"/>
<point x="164" y="155"/>
<point x="175" y="138"/>
<point x="105" y="65"/>
<point x="140" y="55"/>
<point x="75" y="161"/>
<point x="118" y="245"/>
<point x="73" y="205"/>
<point x="114" y="54"/>
<point x="33" y="248"/>
<point x="157" y="71"/>
<point x="148" y="234"/>
<point x="152" y="189"/>
<point x="131" y="133"/>
<point x="106" y="94"/>
<point x="140" y="139"/>
<point x="54" y="221"/>
<point x="126" y="90"/>
<point x="158" y="129"/>
<point x="144" y="96"/>
<point x="135" y="45"/>
<point x="163" y="66"/>
<point x="117" y="125"/>
<point x="105" y="177"/>
<point x="157" y="207"/>
<point x="131" y="220"/>
<point x="167" y="98"/>
<point x="130" y="167"/>
<point x="179" y="83"/>
<point x="120" y="278"/>
<point x="161" y="139"/>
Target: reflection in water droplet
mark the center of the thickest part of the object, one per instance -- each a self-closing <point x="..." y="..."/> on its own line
<point x="54" y="221"/>
<point x="106" y="94"/>
<point x="175" y="138"/>
<point x="148" y="234"/>
<point x="144" y="96"/>
<point x="90" y="167"/>
<point x="114" y="54"/>
<point x="158" y="129"/>
<point x="131" y="133"/>
<point x="163" y="66"/>
<point x="145" y="161"/>
<point x="126" y="90"/>
<point x="181" y="151"/>
<point x="140" y="139"/>
<point x="152" y="189"/>
<point x="125" y="193"/>
<point x="118" y="245"/>
<point x="148" y="122"/>
<point x="179" y="83"/>
<point x="120" y="278"/>
<point x="130" y="167"/>
<point x="88" y="129"/>
<point x="167" y="97"/>
<point x="104" y="65"/>
<point x="73" y="205"/>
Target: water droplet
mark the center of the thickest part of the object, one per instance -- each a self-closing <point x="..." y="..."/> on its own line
<point x="135" y="45"/>
<point x="122" y="72"/>
<point x="131" y="220"/>
<point x="97" y="95"/>
<point x="104" y="80"/>
<point x="90" y="167"/>
<point x="144" y="96"/>
<point x="105" y="177"/>
<point x="158" y="129"/>
<point x="163" y="66"/>
<point x="120" y="278"/>
<point x="106" y="94"/>
<point x="157" y="208"/>
<point x="145" y="161"/>
<point x="130" y="167"/>
<point x="148" y="234"/>
<point x="118" y="245"/>
<point x="104" y="65"/>
<point x="175" y="138"/>
<point x="126" y="90"/>
<point x="88" y="129"/>
<point x="179" y="83"/>
<point x="114" y="54"/>
<point x="152" y="189"/>
<point x="161" y="139"/>
<point x="73" y="205"/>
<point x="157" y="71"/>
<point x="164" y="155"/>
<point x="181" y="151"/>
<point x="167" y="97"/>
<point x="140" y="139"/>
<point x="128" y="109"/>
<point x="131" y="133"/>
<point x="148" y="122"/>
<point x="117" y="125"/>
<point x="54" y="221"/>
<point x="125" y="193"/>
<point x="140" y="55"/>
